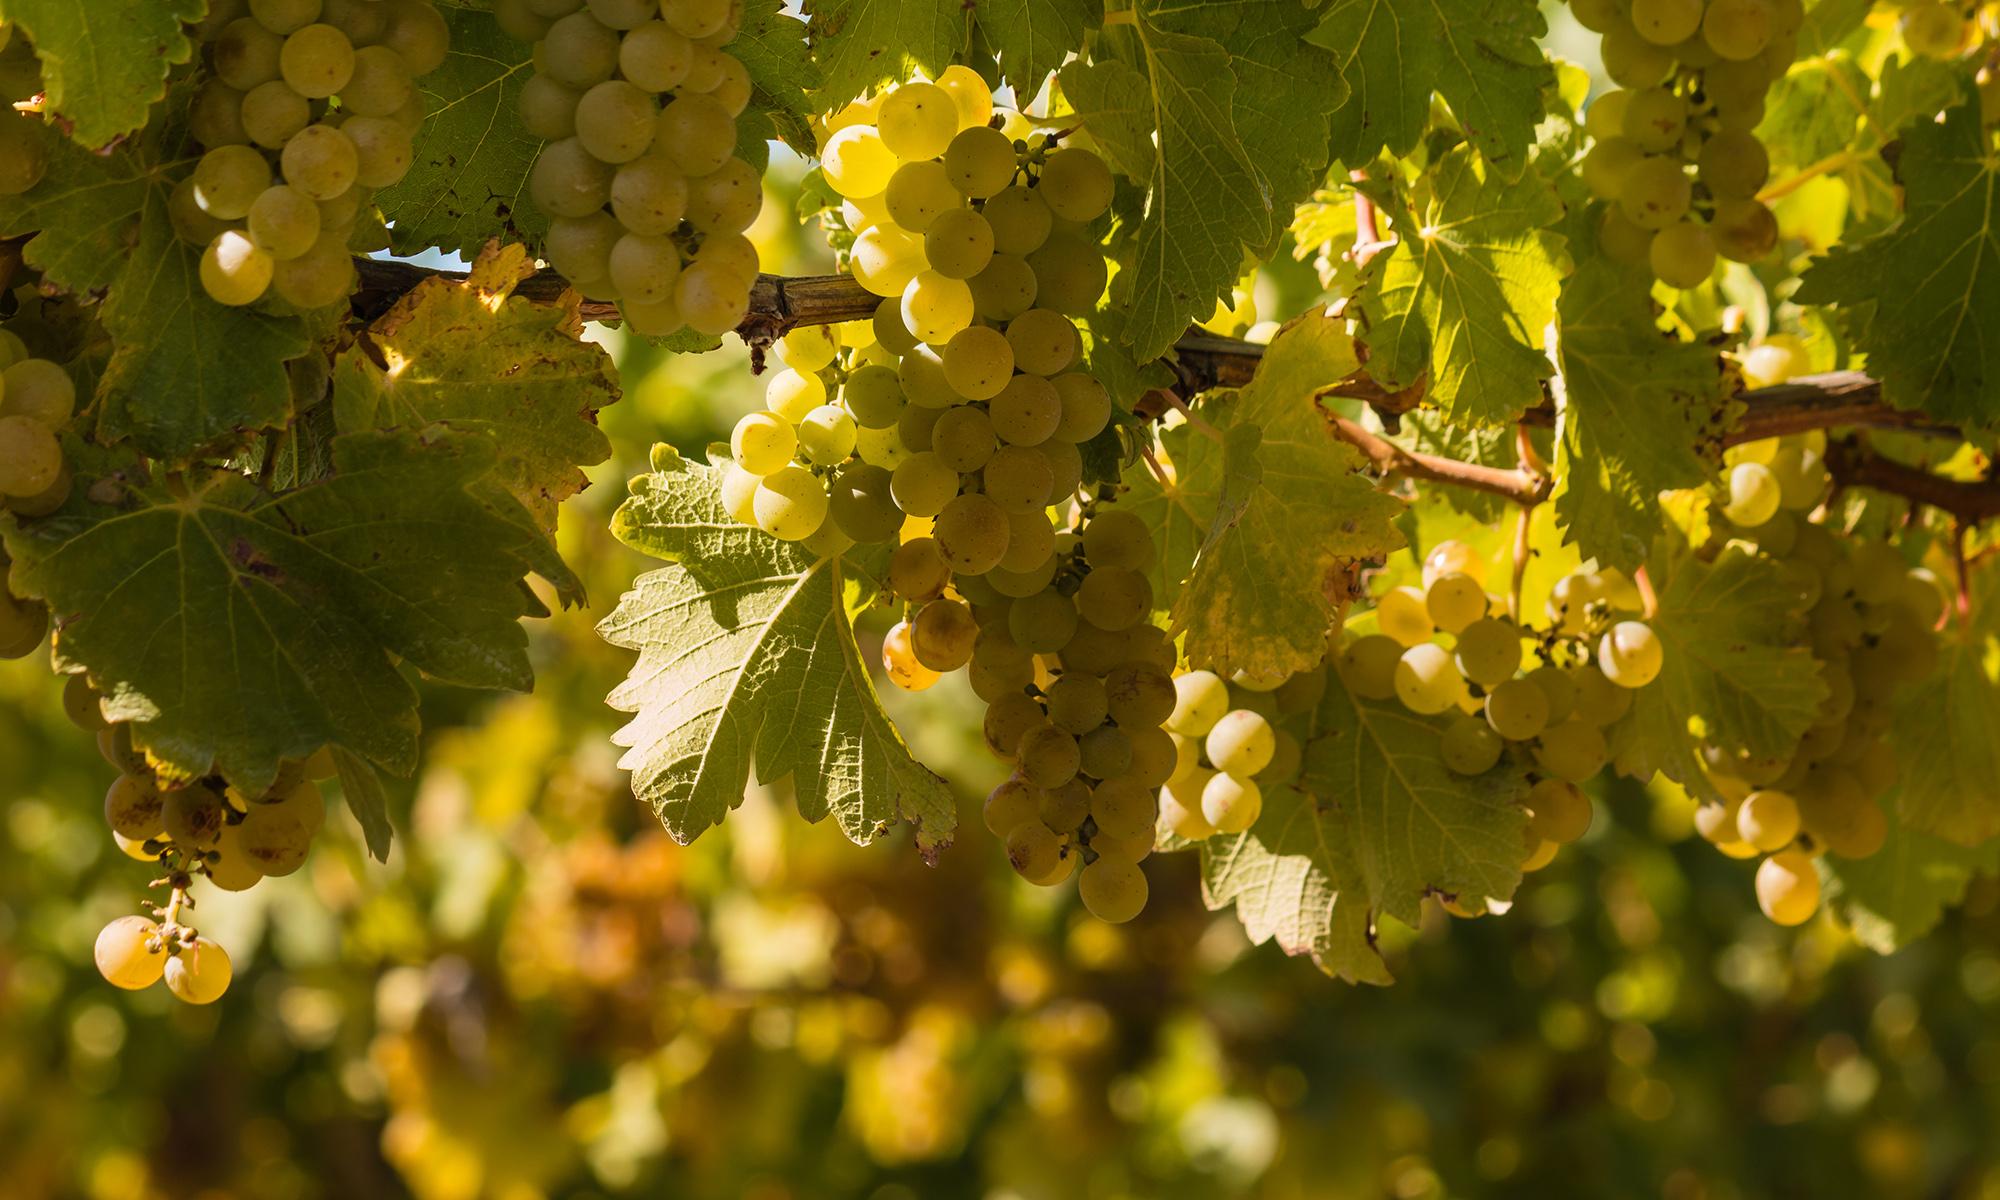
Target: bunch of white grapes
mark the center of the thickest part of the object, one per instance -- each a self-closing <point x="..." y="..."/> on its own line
<point x="201" y="829"/>
<point x="325" y="92"/>
<point x="1692" y="77"/>
<point x="37" y="398"/>
<point x="1228" y="748"/>
<point x="1545" y="696"/>
<point x="1873" y="621"/>
<point x="647" y="200"/>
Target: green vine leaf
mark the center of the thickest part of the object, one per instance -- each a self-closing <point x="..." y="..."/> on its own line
<point x="1947" y="755"/>
<point x="234" y="628"/>
<point x="1291" y="507"/>
<point x="771" y="45"/>
<point x="860" y="43"/>
<point x="747" y="656"/>
<point x="1179" y="509"/>
<point x="105" y="62"/>
<point x="1031" y="38"/>
<point x="1467" y="290"/>
<point x="1899" y="893"/>
<point x="1934" y="347"/>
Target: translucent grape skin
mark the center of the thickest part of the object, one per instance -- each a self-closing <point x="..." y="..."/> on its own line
<point x="199" y="974"/>
<point x="123" y="954"/>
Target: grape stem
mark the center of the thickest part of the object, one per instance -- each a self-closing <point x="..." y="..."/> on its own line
<point x="1391" y="460"/>
<point x="1649" y="600"/>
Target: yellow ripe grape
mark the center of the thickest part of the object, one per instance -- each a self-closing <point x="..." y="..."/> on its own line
<point x="827" y="435"/>
<point x="1768" y="820"/>
<point x="917" y="121"/>
<point x="1744" y="230"/>
<point x="935" y="307"/>
<point x="1201" y="700"/>
<point x="232" y="869"/>
<point x="899" y="659"/>
<point x="1075" y="184"/>
<point x="1655" y="119"/>
<point x="1656" y="192"/>
<point x="124" y="954"/>
<point x="1455" y="601"/>
<point x="1608" y="164"/>
<point x="1754" y="495"/>
<point x="1776" y="359"/>
<point x="809" y="348"/>
<point x="1517" y="709"/>
<point x="1489" y="651"/>
<point x="790" y="504"/>
<point x="1469" y="746"/>
<point x="857" y="162"/>
<point x="1788" y="887"/>
<point x="1682" y="255"/>
<point x="1665" y="22"/>
<point x="1621" y="240"/>
<point x="1114" y="892"/>
<point x="978" y="362"/>
<point x="31" y="460"/>
<point x="200" y="973"/>
<point x="1933" y="30"/>
<point x="1401" y="614"/>
<point x="1630" y="654"/>
<point x="1558" y="811"/>
<point x="1033" y="850"/>
<point x="1633" y="62"/>
<point x="1231" y="803"/>
<point x="1540" y="854"/>
<point x="1574" y="750"/>
<point x="1426" y="681"/>
<point x="885" y="259"/>
<point x="919" y="193"/>
<point x="234" y="270"/>
<point x="763" y="442"/>
<point x="969" y="95"/>
<point x="1605" y="116"/>
<point x="1733" y="163"/>
<point x="1452" y="556"/>
<point x="792" y="394"/>
<point x="980" y="161"/>
<point x="1738" y="30"/>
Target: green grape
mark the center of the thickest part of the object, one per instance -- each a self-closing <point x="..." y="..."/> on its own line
<point x="968" y="93"/>
<point x="1019" y="218"/>
<point x="1044" y="342"/>
<point x="245" y="54"/>
<point x="342" y="212"/>
<point x="1201" y="700"/>
<point x="316" y="61"/>
<point x="1241" y="742"/>
<point x="861" y="503"/>
<point x="1664" y="22"/>
<point x="727" y="200"/>
<point x="790" y="504"/>
<point x="628" y="14"/>
<point x="891" y="334"/>
<point x="1655" y="119"/>
<point x="1069" y="273"/>
<point x="1753" y="495"/>
<point x="1042" y="623"/>
<point x="24" y="623"/>
<point x="1123" y="807"/>
<point x="272" y="112"/>
<point x="83" y="707"/>
<point x="1744" y="230"/>
<point x="321" y="161"/>
<point x="1086" y="408"/>
<point x="1005" y="289"/>
<point x="1788" y="882"/>
<point x="234" y="271"/>
<point x="1065" y="467"/>
<point x="826" y="435"/>
<point x="1048" y="756"/>
<point x="380" y="83"/>
<point x="215" y="118"/>
<point x="1802" y="477"/>
<point x="199" y="974"/>
<point x="1633" y="62"/>
<point x="1489" y="651"/>
<point x="1558" y="811"/>
<point x="1114" y="598"/>
<point x="1230" y="803"/>
<point x="1608" y="164"/>
<point x="875" y="396"/>
<point x="917" y="120"/>
<point x="1600" y="16"/>
<point x="1734" y="164"/>
<point x="1425" y="679"/>
<point x="1735" y="87"/>
<point x="1117" y="538"/>
<point x="1013" y="803"/>
<point x="978" y="362"/>
<point x="856" y="162"/>
<point x="882" y="448"/>
<point x="739" y="495"/>
<point x="792" y="394"/>
<point x="1605" y="116"/>
<point x="762" y="443"/>
<point x="1031" y="543"/>
<point x="921" y="374"/>
<point x="1139" y="693"/>
<point x="1106" y="753"/>
<point x="1630" y="654"/>
<point x="708" y="70"/>
<point x="383" y="150"/>
<point x="980" y="162"/>
<point x="697" y="18"/>
<point x="285" y="16"/>
<point x="1682" y="255"/>
<point x="1033" y="850"/>
<point x="615" y="121"/>
<point x="1401" y="614"/>
<point x="1469" y="746"/>
<point x="696" y="132"/>
<point x="942" y="635"/>
<point x="958" y="243"/>
<point x="915" y="427"/>
<point x="1017" y="479"/>
<point x="919" y="193"/>
<point x="711" y="296"/>
<point x="1368" y="666"/>
<point x="1113" y="891"/>
<point x="935" y="307"/>
<point x="43" y="392"/>
<point x="228" y="180"/>
<point x="580" y="247"/>
<point x="1656" y="192"/>
<point x="1518" y="709"/>
<point x="645" y="269"/>
<point x="284" y="222"/>
<point x="1075" y="184"/>
<point x="317" y="278"/>
<point x="126" y="953"/>
<point x="1027" y="411"/>
<point x="1738" y="29"/>
<point x="1076" y="703"/>
<point x="655" y="56"/>
<point x="1574" y="750"/>
<point x="922" y="484"/>
<point x="1455" y="601"/>
<point x="917" y="570"/>
<point x="578" y="52"/>
<point x="190" y="223"/>
<point x="1933" y="30"/>
<point x="963" y="438"/>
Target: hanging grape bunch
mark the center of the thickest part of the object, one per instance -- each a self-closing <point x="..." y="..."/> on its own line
<point x="37" y="398"/>
<point x="646" y="199"/>
<point x="324" y="92"/>
<point x="1693" y="78"/>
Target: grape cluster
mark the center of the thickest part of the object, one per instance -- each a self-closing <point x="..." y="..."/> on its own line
<point x="1227" y="748"/>
<point x="203" y="829"/>
<point x="37" y="398"/>
<point x="1692" y="77"/>
<point x="326" y="91"/>
<point x="647" y="201"/>
<point x="1546" y="696"/>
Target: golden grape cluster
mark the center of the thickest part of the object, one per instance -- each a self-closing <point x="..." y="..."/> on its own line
<point x="37" y="398"/>
<point x="646" y="197"/>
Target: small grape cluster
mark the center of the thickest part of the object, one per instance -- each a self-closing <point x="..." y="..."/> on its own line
<point x="326" y="90"/>
<point x="647" y="201"/>
<point x="200" y="829"/>
<point x="37" y="398"/>
<point x="1594" y="655"/>
<point x="1227" y="749"/>
<point x="1693" y="76"/>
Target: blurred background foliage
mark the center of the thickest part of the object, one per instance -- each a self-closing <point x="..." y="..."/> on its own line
<point x="540" y="995"/>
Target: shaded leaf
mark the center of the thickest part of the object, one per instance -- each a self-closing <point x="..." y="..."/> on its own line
<point x="105" y="62"/>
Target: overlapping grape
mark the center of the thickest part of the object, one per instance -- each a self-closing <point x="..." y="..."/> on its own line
<point x="1674" y="156"/>
<point x="310" y="105"/>
<point x="646" y="198"/>
<point x="37" y="398"/>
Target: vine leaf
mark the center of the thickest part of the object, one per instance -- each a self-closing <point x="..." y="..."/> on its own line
<point x="472" y="354"/>
<point x="1735" y="663"/>
<point x="1467" y="290"/>
<point x="1482" y="58"/>
<point x="1379" y="825"/>
<point x="1290" y="507"/>
<point x="362" y="788"/>
<point x="771" y="45"/>
<point x="1636" y="403"/>
<point x="1934" y="346"/>
<point x="1180" y="509"/>
<point x="746" y="655"/>
<point x="1031" y="38"/>
<point x="860" y="43"/>
<point x="104" y="62"/>
<point x="469" y="169"/>
<point x="1948" y="758"/>
<point x="235" y="628"/>
<point x="1899" y="893"/>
